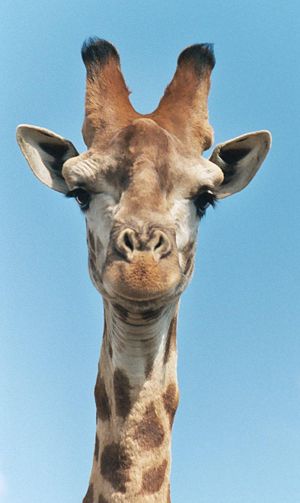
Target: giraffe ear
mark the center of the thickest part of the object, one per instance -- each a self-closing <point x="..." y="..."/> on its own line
<point x="240" y="159"/>
<point x="45" y="153"/>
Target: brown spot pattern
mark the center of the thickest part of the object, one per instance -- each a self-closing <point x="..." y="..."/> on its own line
<point x="96" y="452"/>
<point x="171" y="338"/>
<point x="101" y="398"/>
<point x="188" y="253"/>
<point x="149" y="432"/>
<point x="93" y="268"/>
<point x="170" y="400"/>
<point x="101" y="499"/>
<point x="153" y="478"/>
<point x="151" y="314"/>
<point x="89" y="497"/>
<point x="148" y="366"/>
<point x="121" y="312"/>
<point x="115" y="464"/>
<point x="188" y="265"/>
<point x="92" y="241"/>
<point x="122" y="393"/>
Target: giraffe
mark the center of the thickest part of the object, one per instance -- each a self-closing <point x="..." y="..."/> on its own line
<point x="143" y="185"/>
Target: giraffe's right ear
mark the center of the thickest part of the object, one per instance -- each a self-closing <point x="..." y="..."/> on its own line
<point x="45" y="153"/>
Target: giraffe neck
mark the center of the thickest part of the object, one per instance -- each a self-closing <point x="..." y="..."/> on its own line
<point x="136" y="397"/>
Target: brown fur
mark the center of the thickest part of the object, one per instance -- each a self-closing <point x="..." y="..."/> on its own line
<point x="107" y="106"/>
<point x="89" y="497"/>
<point x="182" y="110"/>
<point x="153" y="479"/>
<point x="144" y="173"/>
<point x="169" y="494"/>
<point x="121" y="311"/>
<point x="149" y="366"/>
<point x="188" y="253"/>
<point x="170" y="400"/>
<point x="96" y="452"/>
<point x="149" y="432"/>
<point x="144" y="178"/>
<point x="115" y="465"/>
<point x="122" y="393"/>
<point x="143" y="278"/>
<point x="101" y="398"/>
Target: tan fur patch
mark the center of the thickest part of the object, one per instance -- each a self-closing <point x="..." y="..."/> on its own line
<point x="171" y="339"/>
<point x="169" y="494"/>
<point x="149" y="432"/>
<point x="144" y="277"/>
<point x="153" y="479"/>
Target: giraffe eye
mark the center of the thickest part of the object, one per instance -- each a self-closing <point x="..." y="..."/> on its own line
<point x="82" y="197"/>
<point x="203" y="200"/>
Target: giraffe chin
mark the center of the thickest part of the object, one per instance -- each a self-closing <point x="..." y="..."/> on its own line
<point x="143" y="279"/>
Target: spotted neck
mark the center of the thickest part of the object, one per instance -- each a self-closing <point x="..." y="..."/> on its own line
<point x="136" y="397"/>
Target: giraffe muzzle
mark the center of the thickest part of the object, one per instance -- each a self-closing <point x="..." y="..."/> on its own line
<point x="142" y="263"/>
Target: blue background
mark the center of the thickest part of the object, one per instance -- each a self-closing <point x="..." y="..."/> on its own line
<point x="237" y="432"/>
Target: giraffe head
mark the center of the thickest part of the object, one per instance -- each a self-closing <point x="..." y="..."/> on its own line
<point x="143" y="183"/>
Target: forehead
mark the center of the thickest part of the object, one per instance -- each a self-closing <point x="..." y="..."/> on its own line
<point x="143" y="152"/>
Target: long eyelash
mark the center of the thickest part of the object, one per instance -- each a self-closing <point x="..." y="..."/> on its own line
<point x="75" y="194"/>
<point x="71" y="193"/>
<point x="212" y="201"/>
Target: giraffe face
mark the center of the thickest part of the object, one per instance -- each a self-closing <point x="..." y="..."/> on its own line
<point x="142" y="183"/>
<point x="140" y="199"/>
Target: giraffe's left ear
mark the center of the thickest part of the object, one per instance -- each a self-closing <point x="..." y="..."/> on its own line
<point x="240" y="159"/>
<point x="46" y="153"/>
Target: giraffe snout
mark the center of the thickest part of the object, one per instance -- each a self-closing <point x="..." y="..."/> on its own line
<point x="131" y="242"/>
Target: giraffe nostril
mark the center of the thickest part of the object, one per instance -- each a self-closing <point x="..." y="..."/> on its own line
<point x="159" y="243"/>
<point x="128" y="241"/>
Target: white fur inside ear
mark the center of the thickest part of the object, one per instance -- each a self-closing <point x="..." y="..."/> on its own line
<point x="240" y="160"/>
<point x="42" y="161"/>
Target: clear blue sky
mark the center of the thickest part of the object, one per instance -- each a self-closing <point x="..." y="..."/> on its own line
<point x="237" y="431"/>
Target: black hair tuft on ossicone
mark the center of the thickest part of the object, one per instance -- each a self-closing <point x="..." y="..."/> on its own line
<point x="96" y="51"/>
<point x="200" y="55"/>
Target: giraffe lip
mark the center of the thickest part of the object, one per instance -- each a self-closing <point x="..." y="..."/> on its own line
<point x="141" y="301"/>
<point x="137" y="297"/>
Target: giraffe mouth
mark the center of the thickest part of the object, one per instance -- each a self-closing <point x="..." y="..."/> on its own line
<point x="142" y="280"/>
